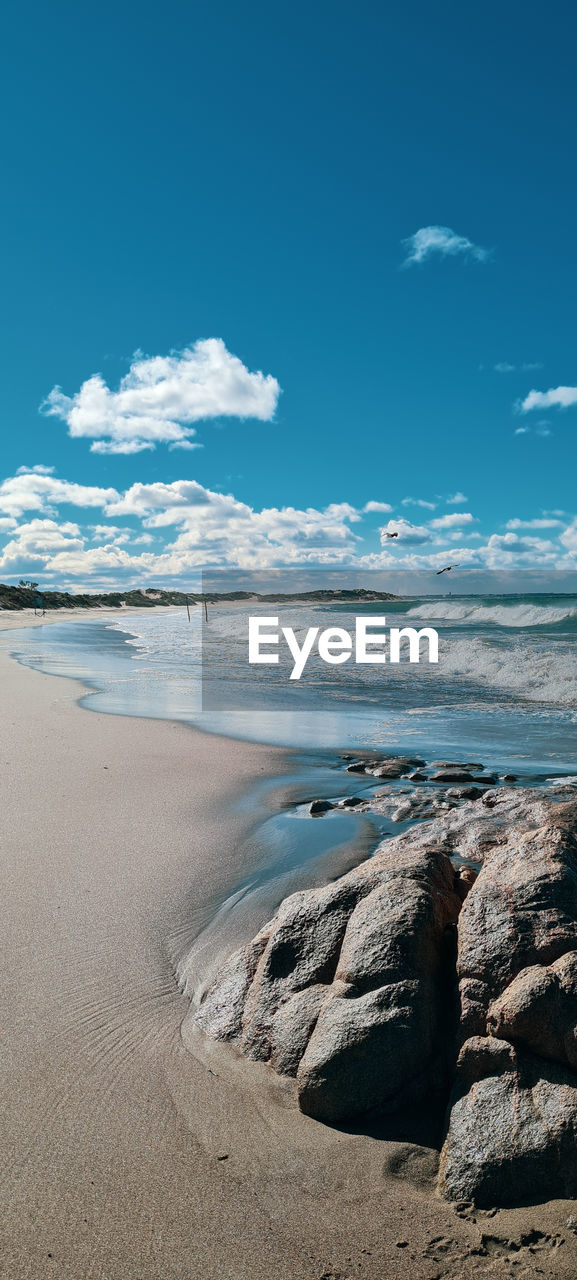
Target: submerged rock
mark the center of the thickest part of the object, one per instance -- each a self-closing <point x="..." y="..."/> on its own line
<point x="318" y="807"/>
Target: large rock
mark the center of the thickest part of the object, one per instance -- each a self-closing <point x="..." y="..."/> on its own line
<point x="345" y="988"/>
<point x="350" y="988"/>
<point x="512" y="1127"/>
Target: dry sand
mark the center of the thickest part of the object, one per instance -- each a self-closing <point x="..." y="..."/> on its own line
<point x="128" y="1154"/>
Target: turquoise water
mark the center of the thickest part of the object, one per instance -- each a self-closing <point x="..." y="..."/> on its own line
<point x="504" y="693"/>
<point x="505" y="689"/>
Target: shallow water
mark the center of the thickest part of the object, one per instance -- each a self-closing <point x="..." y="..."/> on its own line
<point x="505" y="694"/>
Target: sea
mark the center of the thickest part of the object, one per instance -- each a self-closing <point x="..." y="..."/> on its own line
<point x="503" y="694"/>
<point x="505" y="686"/>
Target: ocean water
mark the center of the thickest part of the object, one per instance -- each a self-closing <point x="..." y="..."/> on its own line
<point x="504" y="690"/>
<point x="504" y="694"/>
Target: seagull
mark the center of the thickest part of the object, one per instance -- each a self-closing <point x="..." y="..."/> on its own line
<point x="391" y="535"/>
<point x="447" y="568"/>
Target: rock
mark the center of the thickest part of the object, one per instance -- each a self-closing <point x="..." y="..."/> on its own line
<point x="320" y="806"/>
<point x="357" y="767"/>
<point x="417" y="777"/>
<point x="457" y="764"/>
<point x="509" y="777"/>
<point x="348" y="986"/>
<point x="539" y="1010"/>
<point x="452" y="775"/>
<point x="349" y="990"/>
<point x="464" y="881"/>
<point x="512" y="1133"/>
<point x="512" y="1126"/>
<point x="351" y="802"/>
<point x="464" y="793"/>
<point x="522" y="909"/>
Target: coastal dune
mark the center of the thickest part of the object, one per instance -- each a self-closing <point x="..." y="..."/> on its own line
<point x="126" y="1153"/>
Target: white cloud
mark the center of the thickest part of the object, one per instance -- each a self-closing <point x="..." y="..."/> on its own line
<point x="569" y="537"/>
<point x="555" y="398"/>
<point x="34" y="491"/>
<point x="161" y="395"/>
<point x="382" y="507"/>
<point x="428" y="241"/>
<point x="456" y="499"/>
<point x="38" y="541"/>
<point x="192" y="527"/>
<point x="541" y="428"/>
<point x="528" y="366"/>
<point x="409" y="534"/>
<point x="38" y="470"/>
<point x="539" y="523"/>
<point x="453" y="521"/>
<point x="418" y="502"/>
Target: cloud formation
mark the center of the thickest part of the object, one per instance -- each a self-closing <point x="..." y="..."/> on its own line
<point x="554" y="398"/>
<point x="418" y="502"/>
<point x="455" y="520"/>
<point x="161" y="395"/>
<point x="526" y="367"/>
<point x="429" y="242"/>
<point x="409" y="534"/>
<point x="36" y="490"/>
<point x="164" y="532"/>
<point x="456" y="499"/>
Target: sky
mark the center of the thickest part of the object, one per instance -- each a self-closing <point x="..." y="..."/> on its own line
<point x="280" y="280"/>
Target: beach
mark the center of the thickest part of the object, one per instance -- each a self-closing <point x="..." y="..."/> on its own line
<point x="132" y="1154"/>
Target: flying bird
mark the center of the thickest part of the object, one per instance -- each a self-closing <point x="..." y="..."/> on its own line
<point x="447" y="568"/>
<point x="391" y="535"/>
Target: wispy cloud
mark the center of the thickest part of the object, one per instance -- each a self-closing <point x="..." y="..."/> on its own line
<point x="539" y="523"/>
<point x="527" y="367"/>
<point x="160" y="396"/>
<point x="418" y="502"/>
<point x="442" y="242"/>
<point x="456" y="499"/>
<point x="541" y="428"/>
<point x="382" y="507"/>
<point x="555" y="398"/>
<point x="456" y="520"/>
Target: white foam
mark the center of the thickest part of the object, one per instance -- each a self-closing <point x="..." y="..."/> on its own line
<point x="501" y="615"/>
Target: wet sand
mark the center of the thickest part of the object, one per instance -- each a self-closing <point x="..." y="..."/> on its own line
<point x="132" y="1150"/>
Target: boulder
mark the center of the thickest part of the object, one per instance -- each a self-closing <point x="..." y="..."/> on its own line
<point x="539" y="1010"/>
<point x="346" y="987"/>
<point x="453" y="775"/>
<point x="512" y="1132"/>
<point x="512" y="1123"/>
<point x="318" y="807"/>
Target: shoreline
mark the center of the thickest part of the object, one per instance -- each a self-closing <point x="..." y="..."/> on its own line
<point x="134" y="1157"/>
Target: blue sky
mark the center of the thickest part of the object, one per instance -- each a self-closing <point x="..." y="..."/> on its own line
<point x="255" y="176"/>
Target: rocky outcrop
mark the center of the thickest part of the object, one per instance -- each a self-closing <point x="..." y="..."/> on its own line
<point x="345" y="988"/>
<point x="512" y="1128"/>
<point x="352" y="990"/>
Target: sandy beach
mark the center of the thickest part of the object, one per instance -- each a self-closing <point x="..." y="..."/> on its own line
<point x="130" y="1152"/>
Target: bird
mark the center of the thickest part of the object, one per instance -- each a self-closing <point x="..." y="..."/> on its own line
<point x="447" y="568"/>
<point x="391" y="535"/>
